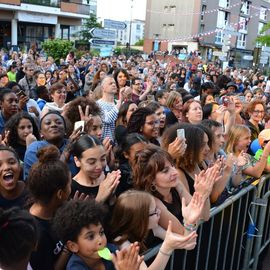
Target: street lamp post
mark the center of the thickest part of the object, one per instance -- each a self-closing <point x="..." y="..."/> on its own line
<point x="130" y="23"/>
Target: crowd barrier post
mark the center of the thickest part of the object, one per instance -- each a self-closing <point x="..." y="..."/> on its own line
<point x="222" y="237"/>
<point x="262" y="237"/>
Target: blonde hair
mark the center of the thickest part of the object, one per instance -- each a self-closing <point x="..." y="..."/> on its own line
<point x="172" y="97"/>
<point x="235" y="133"/>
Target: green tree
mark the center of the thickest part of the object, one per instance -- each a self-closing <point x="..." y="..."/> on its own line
<point x="139" y="42"/>
<point x="57" y="48"/>
<point x="264" y="39"/>
<point x="88" y="24"/>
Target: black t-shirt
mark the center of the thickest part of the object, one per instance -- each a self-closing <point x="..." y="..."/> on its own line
<point x="20" y="201"/>
<point x="91" y="191"/>
<point x="48" y="249"/>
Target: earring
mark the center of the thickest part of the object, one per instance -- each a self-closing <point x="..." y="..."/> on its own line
<point x="153" y="188"/>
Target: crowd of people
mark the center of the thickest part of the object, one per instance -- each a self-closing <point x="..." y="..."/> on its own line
<point x="104" y="158"/>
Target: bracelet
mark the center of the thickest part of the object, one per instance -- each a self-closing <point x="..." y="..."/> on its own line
<point x="190" y="227"/>
<point x="164" y="253"/>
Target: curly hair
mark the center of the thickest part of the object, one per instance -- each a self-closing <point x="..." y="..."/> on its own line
<point x="72" y="115"/>
<point x="74" y="215"/>
<point x="147" y="164"/>
<point x="72" y="111"/>
<point x="12" y="126"/>
<point x="194" y="140"/>
<point x="137" y="120"/>
<point x="48" y="175"/>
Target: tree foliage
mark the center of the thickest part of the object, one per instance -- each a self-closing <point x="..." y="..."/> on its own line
<point x="57" y="48"/>
<point x="139" y="42"/>
<point x="264" y="39"/>
<point x="89" y="23"/>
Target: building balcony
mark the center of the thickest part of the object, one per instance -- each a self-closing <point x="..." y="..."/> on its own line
<point x="11" y="2"/>
<point x="75" y="6"/>
<point x="48" y="3"/>
<point x="71" y="6"/>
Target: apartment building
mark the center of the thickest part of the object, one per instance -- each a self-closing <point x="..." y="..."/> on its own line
<point x="24" y="22"/>
<point x="169" y="20"/>
<point x="213" y="27"/>
<point x="136" y="32"/>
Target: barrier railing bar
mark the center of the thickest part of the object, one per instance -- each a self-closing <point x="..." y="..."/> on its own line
<point x="184" y="260"/>
<point x="199" y="246"/>
<point x="220" y="210"/>
<point x="235" y="231"/>
<point x="227" y="237"/>
<point x="242" y="230"/>
<point x="266" y="226"/>
<point x="249" y="241"/>
<point x="262" y="203"/>
<point x="230" y="200"/>
<point x="219" y="238"/>
<point x="151" y="252"/>
<point x="172" y="261"/>
<point x="264" y="245"/>
<point x="209" y="242"/>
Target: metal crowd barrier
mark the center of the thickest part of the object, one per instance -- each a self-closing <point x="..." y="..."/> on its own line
<point x="237" y="232"/>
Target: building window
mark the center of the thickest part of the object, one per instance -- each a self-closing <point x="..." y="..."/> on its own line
<point x="245" y="8"/>
<point x="224" y="3"/>
<point x="138" y="27"/>
<point x="219" y="39"/>
<point x="202" y="28"/>
<point x="222" y="18"/>
<point x="173" y="9"/>
<point x="242" y="24"/>
<point x="263" y="13"/>
<point x="241" y="41"/>
<point x="65" y="32"/>
<point x="260" y="27"/>
<point x="203" y="10"/>
<point x="171" y="27"/>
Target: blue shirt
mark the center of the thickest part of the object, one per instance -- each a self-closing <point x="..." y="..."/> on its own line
<point x="2" y="122"/>
<point x="41" y="103"/>
<point x="76" y="263"/>
<point x="30" y="157"/>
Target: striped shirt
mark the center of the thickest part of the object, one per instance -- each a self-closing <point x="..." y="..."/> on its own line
<point x="110" y="114"/>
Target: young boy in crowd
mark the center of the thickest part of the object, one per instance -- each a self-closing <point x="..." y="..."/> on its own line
<point x="79" y="226"/>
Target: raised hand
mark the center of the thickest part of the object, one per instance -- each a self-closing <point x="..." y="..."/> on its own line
<point x="29" y="139"/>
<point x="4" y="138"/>
<point x="177" y="241"/>
<point x="205" y="181"/>
<point x="107" y="145"/>
<point x="127" y="258"/>
<point x="242" y="159"/>
<point x="22" y="101"/>
<point x="192" y="212"/>
<point x="85" y="116"/>
<point x="80" y="196"/>
<point x="108" y="186"/>
<point x="177" y="148"/>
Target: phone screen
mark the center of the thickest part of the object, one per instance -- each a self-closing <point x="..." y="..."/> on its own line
<point x="79" y="124"/>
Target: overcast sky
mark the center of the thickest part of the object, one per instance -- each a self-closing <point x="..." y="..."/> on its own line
<point x="120" y="9"/>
